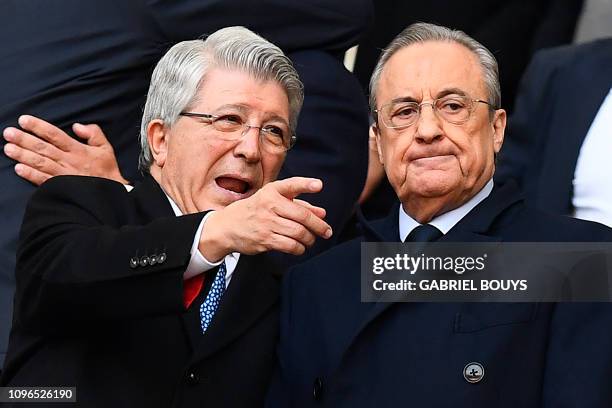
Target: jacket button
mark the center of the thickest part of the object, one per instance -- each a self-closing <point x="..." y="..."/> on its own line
<point x="473" y="372"/>
<point x="152" y="260"/>
<point x="161" y="258"/>
<point x="134" y="262"/>
<point x="144" y="261"/>
<point x="192" y="378"/>
<point x="317" y="389"/>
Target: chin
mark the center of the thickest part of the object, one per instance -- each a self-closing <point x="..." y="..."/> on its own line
<point x="434" y="187"/>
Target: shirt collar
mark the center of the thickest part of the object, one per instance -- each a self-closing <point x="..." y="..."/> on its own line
<point x="444" y="222"/>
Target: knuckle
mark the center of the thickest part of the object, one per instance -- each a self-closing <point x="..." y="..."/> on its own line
<point x="38" y="162"/>
<point x="309" y="239"/>
<point x="304" y="216"/>
<point x="40" y="146"/>
<point x="299" y="232"/>
<point x="297" y="248"/>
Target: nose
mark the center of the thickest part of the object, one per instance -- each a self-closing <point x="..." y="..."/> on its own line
<point x="429" y="126"/>
<point x="248" y="146"/>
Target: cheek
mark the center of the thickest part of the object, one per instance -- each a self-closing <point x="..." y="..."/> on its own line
<point x="396" y="156"/>
<point x="271" y="166"/>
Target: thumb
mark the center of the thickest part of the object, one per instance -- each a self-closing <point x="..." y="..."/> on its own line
<point x="92" y="134"/>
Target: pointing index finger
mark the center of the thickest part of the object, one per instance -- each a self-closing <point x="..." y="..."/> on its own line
<point x="294" y="186"/>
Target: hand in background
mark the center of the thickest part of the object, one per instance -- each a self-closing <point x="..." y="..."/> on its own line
<point x="43" y="151"/>
<point x="376" y="171"/>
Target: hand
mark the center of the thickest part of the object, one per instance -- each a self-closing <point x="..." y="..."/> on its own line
<point x="271" y="219"/>
<point x="44" y="151"/>
<point x="376" y="171"/>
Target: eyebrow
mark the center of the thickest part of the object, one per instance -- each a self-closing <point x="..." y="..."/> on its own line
<point x="244" y="109"/>
<point x="441" y="94"/>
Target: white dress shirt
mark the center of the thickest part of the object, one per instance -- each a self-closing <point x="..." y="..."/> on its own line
<point x="443" y="222"/>
<point x="198" y="263"/>
<point x="592" y="199"/>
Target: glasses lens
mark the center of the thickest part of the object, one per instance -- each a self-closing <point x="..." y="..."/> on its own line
<point x="275" y="138"/>
<point x="400" y="114"/>
<point x="228" y="123"/>
<point x="454" y="109"/>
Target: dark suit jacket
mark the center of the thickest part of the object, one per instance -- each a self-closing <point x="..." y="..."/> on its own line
<point x="90" y="61"/>
<point x="336" y="351"/>
<point x="84" y="317"/>
<point x="559" y="97"/>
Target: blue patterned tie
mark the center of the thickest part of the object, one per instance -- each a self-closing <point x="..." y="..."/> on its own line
<point x="210" y="305"/>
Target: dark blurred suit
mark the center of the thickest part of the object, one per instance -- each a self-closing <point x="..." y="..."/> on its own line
<point x="337" y="351"/>
<point x="559" y="97"/>
<point x="90" y="61"/>
<point x="513" y="30"/>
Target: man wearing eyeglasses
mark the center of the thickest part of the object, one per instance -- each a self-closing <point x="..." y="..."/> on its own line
<point x="438" y="125"/>
<point x="163" y="296"/>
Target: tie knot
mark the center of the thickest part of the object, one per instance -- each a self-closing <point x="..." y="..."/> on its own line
<point x="424" y="233"/>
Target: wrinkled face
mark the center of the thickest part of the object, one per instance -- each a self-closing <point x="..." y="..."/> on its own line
<point x="434" y="158"/>
<point x="200" y="168"/>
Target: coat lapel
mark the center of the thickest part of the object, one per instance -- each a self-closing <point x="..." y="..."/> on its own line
<point x="473" y="227"/>
<point x="151" y="201"/>
<point x="253" y="290"/>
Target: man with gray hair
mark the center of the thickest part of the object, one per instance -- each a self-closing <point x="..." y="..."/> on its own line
<point x="438" y="125"/>
<point x="163" y="295"/>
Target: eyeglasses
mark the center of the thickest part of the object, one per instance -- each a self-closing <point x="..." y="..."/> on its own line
<point x="453" y="109"/>
<point x="273" y="138"/>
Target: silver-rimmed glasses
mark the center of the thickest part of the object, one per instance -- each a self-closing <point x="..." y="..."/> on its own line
<point x="274" y="138"/>
<point x="453" y="109"/>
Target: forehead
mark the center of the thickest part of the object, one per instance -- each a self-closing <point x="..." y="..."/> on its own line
<point x="423" y="70"/>
<point x="232" y="87"/>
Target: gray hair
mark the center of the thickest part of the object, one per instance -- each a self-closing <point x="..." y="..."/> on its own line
<point x="424" y="32"/>
<point x="180" y="73"/>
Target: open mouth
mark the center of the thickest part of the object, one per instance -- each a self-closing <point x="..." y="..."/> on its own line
<point x="233" y="184"/>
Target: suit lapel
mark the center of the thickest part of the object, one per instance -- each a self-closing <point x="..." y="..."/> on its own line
<point x="578" y="95"/>
<point x="473" y="227"/>
<point x="253" y="290"/>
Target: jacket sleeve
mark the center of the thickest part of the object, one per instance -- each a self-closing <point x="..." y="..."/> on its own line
<point x="77" y="253"/>
<point x="527" y="132"/>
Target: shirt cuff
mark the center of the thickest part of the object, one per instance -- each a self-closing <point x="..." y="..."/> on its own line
<point x="198" y="263"/>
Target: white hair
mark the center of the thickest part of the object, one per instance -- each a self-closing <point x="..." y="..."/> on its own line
<point x="424" y="32"/>
<point x="181" y="71"/>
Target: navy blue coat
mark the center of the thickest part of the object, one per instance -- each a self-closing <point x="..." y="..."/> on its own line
<point x="336" y="351"/>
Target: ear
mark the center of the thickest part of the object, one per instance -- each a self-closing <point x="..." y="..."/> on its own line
<point x="157" y="135"/>
<point x="375" y="133"/>
<point x="499" y="127"/>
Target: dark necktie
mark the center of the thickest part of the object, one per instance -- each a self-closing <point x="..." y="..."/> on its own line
<point x="424" y="233"/>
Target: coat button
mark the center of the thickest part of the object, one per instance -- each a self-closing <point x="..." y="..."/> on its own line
<point x="144" y="261"/>
<point x="152" y="260"/>
<point x="192" y="378"/>
<point x="134" y="262"/>
<point x="473" y="372"/>
<point x="161" y="258"/>
<point x="317" y="389"/>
